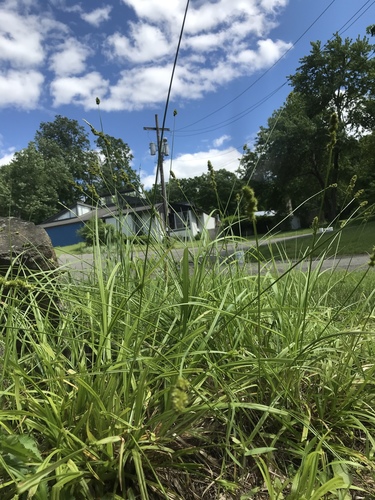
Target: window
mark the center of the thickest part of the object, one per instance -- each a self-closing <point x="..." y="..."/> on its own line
<point x="179" y="219"/>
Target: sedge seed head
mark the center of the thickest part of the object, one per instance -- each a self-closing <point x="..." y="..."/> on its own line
<point x="315" y="225"/>
<point x="180" y="396"/>
<point x="251" y="202"/>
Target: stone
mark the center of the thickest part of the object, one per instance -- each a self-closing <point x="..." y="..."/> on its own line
<point x="27" y="262"/>
<point x="25" y="245"/>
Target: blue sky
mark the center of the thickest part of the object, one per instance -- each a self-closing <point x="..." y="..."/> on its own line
<point x="57" y="56"/>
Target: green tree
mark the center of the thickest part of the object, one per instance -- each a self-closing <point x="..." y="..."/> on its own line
<point x="293" y="152"/>
<point x="202" y="191"/>
<point x="115" y="172"/>
<point x="64" y="139"/>
<point x="30" y="185"/>
<point x="96" y="230"/>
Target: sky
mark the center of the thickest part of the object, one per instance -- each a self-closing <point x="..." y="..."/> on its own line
<point x="234" y="57"/>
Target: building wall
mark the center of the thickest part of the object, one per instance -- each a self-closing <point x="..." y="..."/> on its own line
<point x="125" y="224"/>
<point x="77" y="211"/>
<point x="65" y="234"/>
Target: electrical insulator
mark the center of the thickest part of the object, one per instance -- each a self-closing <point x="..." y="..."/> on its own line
<point x="165" y="148"/>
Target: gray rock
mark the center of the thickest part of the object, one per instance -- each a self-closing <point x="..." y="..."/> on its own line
<point x="23" y="244"/>
<point x="27" y="266"/>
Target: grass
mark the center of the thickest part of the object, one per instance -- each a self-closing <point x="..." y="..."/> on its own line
<point x="178" y="378"/>
<point x="350" y="240"/>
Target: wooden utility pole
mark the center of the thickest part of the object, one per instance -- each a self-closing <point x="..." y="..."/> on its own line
<point x="160" y="168"/>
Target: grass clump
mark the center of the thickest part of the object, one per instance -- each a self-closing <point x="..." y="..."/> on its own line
<point x="177" y="376"/>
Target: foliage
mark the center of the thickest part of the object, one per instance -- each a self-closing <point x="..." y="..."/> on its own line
<point x="65" y="139"/>
<point x="116" y="172"/>
<point x="202" y="192"/>
<point x="31" y="185"/>
<point x="178" y="375"/>
<point x="96" y="230"/>
<point x="60" y="168"/>
<point x="292" y="158"/>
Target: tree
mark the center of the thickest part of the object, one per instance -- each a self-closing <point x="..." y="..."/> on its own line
<point x="30" y="185"/>
<point x="66" y="140"/>
<point x="96" y="231"/>
<point x="210" y="192"/>
<point x="60" y="168"/>
<point x="296" y="153"/>
<point x="115" y="173"/>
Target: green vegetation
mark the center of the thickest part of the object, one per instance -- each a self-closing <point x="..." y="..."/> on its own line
<point x="169" y="374"/>
<point x="350" y="240"/>
<point x="96" y="230"/>
<point x="178" y="378"/>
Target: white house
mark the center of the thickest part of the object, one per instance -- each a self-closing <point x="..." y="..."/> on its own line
<point x="184" y="220"/>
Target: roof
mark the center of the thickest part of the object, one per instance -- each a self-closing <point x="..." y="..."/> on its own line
<point x="100" y="213"/>
<point x="66" y="210"/>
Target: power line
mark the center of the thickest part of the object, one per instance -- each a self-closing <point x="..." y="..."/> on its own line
<point x="180" y="132"/>
<point x="355" y="20"/>
<point x="235" y="118"/>
<point x="265" y="72"/>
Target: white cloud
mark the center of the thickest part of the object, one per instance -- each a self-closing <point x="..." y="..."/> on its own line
<point x="268" y="53"/>
<point x="20" y="40"/>
<point x="6" y="156"/>
<point x="70" y="58"/>
<point x="194" y="164"/>
<point x="21" y="89"/>
<point x="145" y="44"/>
<point x="220" y="140"/>
<point x="79" y="90"/>
<point x="222" y="41"/>
<point x="97" y="16"/>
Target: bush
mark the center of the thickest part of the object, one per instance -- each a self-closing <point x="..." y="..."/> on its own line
<point x="96" y="228"/>
<point x="242" y="226"/>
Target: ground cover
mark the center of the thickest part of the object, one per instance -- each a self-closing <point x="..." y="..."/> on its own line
<point x="352" y="239"/>
<point x="182" y="378"/>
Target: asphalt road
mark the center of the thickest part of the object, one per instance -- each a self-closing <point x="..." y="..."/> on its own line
<point x="232" y="253"/>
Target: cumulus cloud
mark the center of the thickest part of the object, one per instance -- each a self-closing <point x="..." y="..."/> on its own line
<point x="21" y="89"/>
<point x="131" y="68"/>
<point x="97" y="16"/>
<point x="20" y="40"/>
<point x="70" y="58"/>
<point x="194" y="164"/>
<point x="6" y="156"/>
<point x="79" y="90"/>
<point x="220" y="140"/>
<point x="146" y="43"/>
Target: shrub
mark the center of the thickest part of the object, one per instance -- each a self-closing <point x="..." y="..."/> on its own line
<point x="96" y="229"/>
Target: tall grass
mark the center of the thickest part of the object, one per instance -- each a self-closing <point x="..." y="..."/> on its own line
<point x="183" y="376"/>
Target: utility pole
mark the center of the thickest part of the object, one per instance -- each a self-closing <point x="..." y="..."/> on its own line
<point x="162" y="149"/>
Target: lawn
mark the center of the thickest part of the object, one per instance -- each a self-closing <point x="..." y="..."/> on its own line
<point x="351" y="240"/>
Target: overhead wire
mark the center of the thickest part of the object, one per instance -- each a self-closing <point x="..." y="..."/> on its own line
<point x="190" y="133"/>
<point x="342" y="30"/>
<point x="264" y="73"/>
<point x="170" y="89"/>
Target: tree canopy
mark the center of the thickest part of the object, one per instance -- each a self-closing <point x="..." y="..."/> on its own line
<point x="60" y="167"/>
<point x="295" y="156"/>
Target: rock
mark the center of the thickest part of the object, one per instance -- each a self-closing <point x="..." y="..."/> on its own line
<point x="25" y="245"/>
<point x="27" y="265"/>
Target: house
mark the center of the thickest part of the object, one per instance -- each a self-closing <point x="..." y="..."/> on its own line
<point x="132" y="216"/>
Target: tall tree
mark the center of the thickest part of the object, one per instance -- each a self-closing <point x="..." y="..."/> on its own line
<point x="296" y="151"/>
<point x="31" y="185"/>
<point x="215" y="191"/>
<point x="115" y="172"/>
<point x="66" y="140"/>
